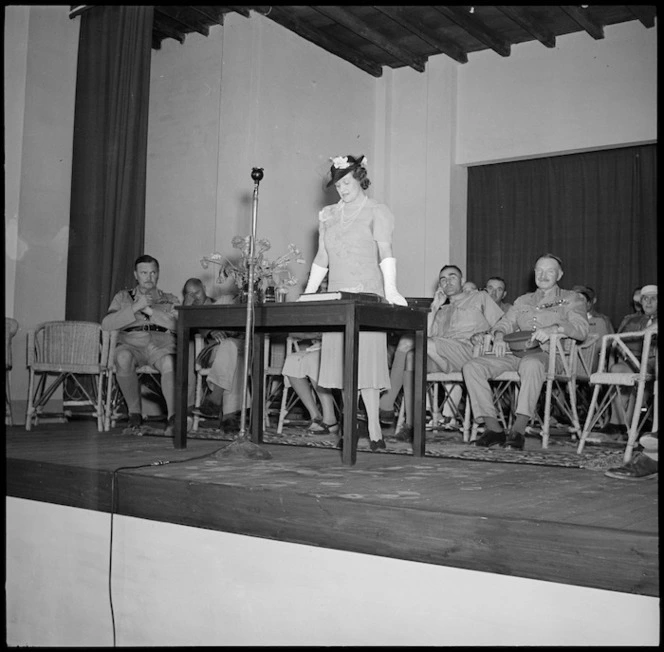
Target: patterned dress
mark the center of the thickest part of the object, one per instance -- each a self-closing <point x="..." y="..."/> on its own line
<point x="353" y="266"/>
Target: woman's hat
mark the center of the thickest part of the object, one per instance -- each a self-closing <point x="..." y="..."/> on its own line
<point x="648" y="289"/>
<point x="342" y="165"/>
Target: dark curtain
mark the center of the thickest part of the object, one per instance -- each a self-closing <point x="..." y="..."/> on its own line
<point x="107" y="219"/>
<point x="597" y="211"/>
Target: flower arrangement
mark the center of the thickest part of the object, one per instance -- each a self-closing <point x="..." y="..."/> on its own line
<point x="266" y="272"/>
<point x="342" y="162"/>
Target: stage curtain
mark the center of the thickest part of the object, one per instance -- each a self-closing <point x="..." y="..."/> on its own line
<point x="107" y="217"/>
<point x="596" y="210"/>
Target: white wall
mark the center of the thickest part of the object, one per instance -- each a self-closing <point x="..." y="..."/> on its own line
<point x="584" y="94"/>
<point x="175" y="585"/>
<point x="41" y="48"/>
<point x="250" y="95"/>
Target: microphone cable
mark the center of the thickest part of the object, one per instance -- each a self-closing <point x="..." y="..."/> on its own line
<point x="113" y="503"/>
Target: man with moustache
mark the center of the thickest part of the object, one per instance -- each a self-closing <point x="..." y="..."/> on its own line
<point x="146" y="320"/>
<point x="548" y="310"/>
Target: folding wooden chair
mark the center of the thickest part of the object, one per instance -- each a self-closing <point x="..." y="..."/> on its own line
<point x="559" y="388"/>
<point x="641" y="381"/>
<point x="11" y="328"/>
<point x="66" y="350"/>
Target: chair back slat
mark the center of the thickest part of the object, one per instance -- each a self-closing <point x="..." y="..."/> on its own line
<point x="69" y="343"/>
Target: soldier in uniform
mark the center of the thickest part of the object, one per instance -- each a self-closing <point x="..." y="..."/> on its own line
<point x="548" y="310"/>
<point x="146" y="318"/>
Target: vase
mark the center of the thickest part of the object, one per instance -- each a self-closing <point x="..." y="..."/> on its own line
<point x="244" y="294"/>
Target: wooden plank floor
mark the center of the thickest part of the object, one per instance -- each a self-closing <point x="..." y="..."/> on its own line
<point x="574" y="526"/>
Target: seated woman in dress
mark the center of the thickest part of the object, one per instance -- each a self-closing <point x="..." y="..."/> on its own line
<point x="300" y="371"/>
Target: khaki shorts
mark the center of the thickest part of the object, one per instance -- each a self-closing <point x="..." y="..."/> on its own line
<point x="147" y="347"/>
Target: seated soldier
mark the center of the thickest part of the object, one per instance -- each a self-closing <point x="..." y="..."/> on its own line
<point x="497" y="290"/>
<point x="630" y="324"/>
<point x="548" y="310"/>
<point x="223" y="356"/>
<point x="145" y="318"/>
<point x="457" y="321"/>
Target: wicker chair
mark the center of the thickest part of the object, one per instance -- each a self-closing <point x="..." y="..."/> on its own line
<point x="11" y="328"/>
<point x="642" y="382"/>
<point x="66" y="350"/>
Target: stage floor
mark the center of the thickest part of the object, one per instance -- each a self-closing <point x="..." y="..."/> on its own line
<point x="568" y="525"/>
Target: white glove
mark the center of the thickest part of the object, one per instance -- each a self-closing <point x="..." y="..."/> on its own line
<point x="389" y="268"/>
<point x="316" y="276"/>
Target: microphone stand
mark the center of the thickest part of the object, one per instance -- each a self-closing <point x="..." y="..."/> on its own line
<point x="242" y="445"/>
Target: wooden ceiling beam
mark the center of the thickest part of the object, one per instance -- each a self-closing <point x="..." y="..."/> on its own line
<point x="519" y="16"/>
<point x="176" y="15"/>
<point x="581" y="17"/>
<point x="284" y="16"/>
<point x="417" y="26"/>
<point x="161" y="27"/>
<point x="476" y="28"/>
<point x="363" y="29"/>
<point x="243" y="11"/>
<point x="645" y="13"/>
<point x="216" y="17"/>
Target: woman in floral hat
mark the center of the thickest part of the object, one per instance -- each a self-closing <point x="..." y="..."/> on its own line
<point x="355" y="249"/>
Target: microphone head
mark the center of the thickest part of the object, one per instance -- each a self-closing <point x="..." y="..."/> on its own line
<point x="257" y="174"/>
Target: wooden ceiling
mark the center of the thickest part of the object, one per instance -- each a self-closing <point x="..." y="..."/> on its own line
<point x="371" y="37"/>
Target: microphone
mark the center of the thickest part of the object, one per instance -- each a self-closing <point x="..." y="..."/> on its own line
<point x="257" y="174"/>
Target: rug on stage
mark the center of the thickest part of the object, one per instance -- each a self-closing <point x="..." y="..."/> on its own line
<point x="442" y="444"/>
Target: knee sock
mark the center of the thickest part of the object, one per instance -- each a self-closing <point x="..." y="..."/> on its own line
<point x="520" y="423"/>
<point x="131" y="391"/>
<point x="370" y="396"/>
<point x="396" y="381"/>
<point x="168" y="390"/>
<point x="491" y="423"/>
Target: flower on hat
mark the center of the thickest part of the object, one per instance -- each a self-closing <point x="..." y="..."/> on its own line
<point x="340" y="162"/>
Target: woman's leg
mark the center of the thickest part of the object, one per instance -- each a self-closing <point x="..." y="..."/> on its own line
<point x="371" y="398"/>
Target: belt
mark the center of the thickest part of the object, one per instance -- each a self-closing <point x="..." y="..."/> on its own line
<point x="147" y="327"/>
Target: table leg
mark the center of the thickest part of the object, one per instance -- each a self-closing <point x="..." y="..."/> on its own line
<point x="181" y="382"/>
<point x="419" y="407"/>
<point x="350" y="435"/>
<point x="257" y="388"/>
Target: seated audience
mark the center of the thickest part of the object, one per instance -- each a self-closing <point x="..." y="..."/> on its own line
<point x="145" y="318"/>
<point x="454" y="328"/>
<point x="597" y="322"/>
<point x="301" y="372"/>
<point x="223" y="355"/>
<point x="469" y="286"/>
<point x="548" y="310"/>
<point x="637" y="308"/>
<point x="630" y="324"/>
<point x="497" y="289"/>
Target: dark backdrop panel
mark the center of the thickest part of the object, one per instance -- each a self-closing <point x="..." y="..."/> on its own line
<point x="107" y="218"/>
<point x="597" y="211"/>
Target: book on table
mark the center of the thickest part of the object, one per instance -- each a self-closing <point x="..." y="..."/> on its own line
<point x="366" y="297"/>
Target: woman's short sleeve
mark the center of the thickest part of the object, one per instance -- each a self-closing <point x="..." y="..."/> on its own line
<point x="383" y="223"/>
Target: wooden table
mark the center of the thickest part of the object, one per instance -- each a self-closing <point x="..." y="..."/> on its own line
<point x="348" y="316"/>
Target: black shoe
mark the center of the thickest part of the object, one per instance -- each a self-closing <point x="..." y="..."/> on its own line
<point x="405" y="433"/>
<point x="135" y="420"/>
<point x="515" y="441"/>
<point x="169" y="430"/>
<point x="207" y="409"/>
<point x="375" y="445"/>
<point x="490" y="438"/>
